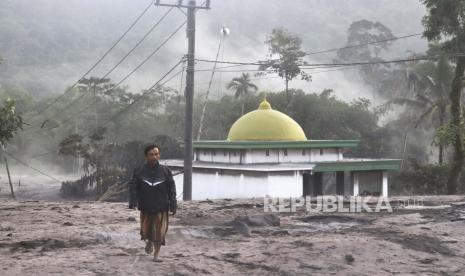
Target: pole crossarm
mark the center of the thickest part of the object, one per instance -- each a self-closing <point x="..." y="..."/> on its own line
<point x="181" y="5"/>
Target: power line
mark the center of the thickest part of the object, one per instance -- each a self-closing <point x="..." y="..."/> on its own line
<point x="277" y="77"/>
<point x="363" y="44"/>
<point x="148" y="91"/>
<point x="337" y="69"/>
<point x="178" y="102"/>
<point x="261" y="70"/>
<point x="29" y="166"/>
<point x="127" y="76"/>
<point x="190" y="29"/>
<point x="98" y="61"/>
<point x="312" y="65"/>
<point x="41" y="154"/>
<point x="324" y="51"/>
<point x="231" y="62"/>
<point x="119" y="113"/>
<point x="137" y="99"/>
<point x="125" y="56"/>
<point x="153" y="53"/>
<point x="426" y="57"/>
<point x="81" y="111"/>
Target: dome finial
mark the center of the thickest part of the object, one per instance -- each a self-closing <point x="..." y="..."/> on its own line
<point x="264" y="104"/>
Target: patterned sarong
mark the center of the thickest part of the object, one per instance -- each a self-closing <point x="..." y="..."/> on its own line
<point x="153" y="226"/>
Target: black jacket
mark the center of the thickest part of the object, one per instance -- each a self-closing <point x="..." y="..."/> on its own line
<point x="152" y="189"/>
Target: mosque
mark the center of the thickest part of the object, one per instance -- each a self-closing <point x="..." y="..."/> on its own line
<point x="267" y="153"/>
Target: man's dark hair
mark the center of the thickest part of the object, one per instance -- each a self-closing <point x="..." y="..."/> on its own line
<point x="150" y="147"/>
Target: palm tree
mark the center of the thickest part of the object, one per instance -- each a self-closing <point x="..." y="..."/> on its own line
<point x="432" y="80"/>
<point x="241" y="85"/>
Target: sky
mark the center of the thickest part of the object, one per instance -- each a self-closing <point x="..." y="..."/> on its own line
<point x="322" y="24"/>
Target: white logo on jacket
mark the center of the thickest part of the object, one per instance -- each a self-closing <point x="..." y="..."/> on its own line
<point x="157" y="181"/>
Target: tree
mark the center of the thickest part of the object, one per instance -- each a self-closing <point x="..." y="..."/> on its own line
<point x="444" y="22"/>
<point x="431" y="83"/>
<point x="10" y="123"/>
<point x="94" y="86"/>
<point x="362" y="33"/>
<point x="241" y="85"/>
<point x="288" y="49"/>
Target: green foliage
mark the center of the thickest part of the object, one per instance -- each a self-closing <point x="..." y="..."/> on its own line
<point x="445" y="22"/>
<point x="108" y="164"/>
<point x="72" y="146"/>
<point x="91" y="148"/>
<point x="325" y="117"/>
<point x="421" y="179"/>
<point x="321" y="117"/>
<point x="446" y="134"/>
<point x="363" y="32"/>
<point x="23" y="99"/>
<point x="384" y="79"/>
<point x="91" y="185"/>
<point x="10" y="121"/>
<point x="431" y="81"/>
<point x="241" y="85"/>
<point x="288" y="48"/>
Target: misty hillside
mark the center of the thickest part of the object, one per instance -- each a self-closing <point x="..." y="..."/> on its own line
<point x="48" y="44"/>
<point x="397" y="109"/>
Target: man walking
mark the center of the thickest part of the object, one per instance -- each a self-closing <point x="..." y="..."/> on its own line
<point x="153" y="191"/>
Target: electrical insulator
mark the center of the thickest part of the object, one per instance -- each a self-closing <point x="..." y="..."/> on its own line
<point x="224" y="31"/>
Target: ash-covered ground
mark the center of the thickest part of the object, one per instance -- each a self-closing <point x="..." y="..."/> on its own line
<point x="99" y="238"/>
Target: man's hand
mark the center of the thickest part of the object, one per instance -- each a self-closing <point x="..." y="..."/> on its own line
<point x="173" y="205"/>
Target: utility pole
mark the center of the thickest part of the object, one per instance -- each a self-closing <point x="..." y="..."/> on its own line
<point x="8" y="173"/>
<point x="189" y="93"/>
<point x="9" y="179"/>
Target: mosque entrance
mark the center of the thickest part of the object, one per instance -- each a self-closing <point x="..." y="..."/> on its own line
<point x="312" y="184"/>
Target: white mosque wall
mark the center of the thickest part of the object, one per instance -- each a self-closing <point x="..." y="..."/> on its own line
<point x="221" y="156"/>
<point x="325" y="154"/>
<point x="294" y="155"/>
<point x="262" y="156"/>
<point x="273" y="156"/>
<point x="289" y="184"/>
<point x="235" y="156"/>
<point x="213" y="184"/>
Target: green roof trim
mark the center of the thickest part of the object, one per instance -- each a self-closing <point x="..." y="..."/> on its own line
<point x="358" y="165"/>
<point x="275" y="144"/>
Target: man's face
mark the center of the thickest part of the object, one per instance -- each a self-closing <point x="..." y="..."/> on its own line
<point x="152" y="156"/>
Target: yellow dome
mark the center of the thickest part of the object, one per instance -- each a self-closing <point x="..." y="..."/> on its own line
<point x="266" y="124"/>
